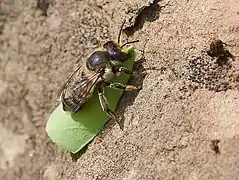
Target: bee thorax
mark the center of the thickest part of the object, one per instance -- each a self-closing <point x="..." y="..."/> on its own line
<point x="108" y="75"/>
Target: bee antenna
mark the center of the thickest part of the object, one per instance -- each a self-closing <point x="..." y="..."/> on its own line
<point x="120" y="32"/>
<point x="130" y="42"/>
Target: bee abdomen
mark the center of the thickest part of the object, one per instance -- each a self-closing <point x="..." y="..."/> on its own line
<point x="72" y="105"/>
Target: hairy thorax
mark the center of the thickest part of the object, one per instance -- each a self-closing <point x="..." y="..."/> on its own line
<point x="108" y="75"/>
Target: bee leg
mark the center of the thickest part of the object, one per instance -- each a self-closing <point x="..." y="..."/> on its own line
<point x="104" y="103"/>
<point x="124" y="70"/>
<point x="117" y="85"/>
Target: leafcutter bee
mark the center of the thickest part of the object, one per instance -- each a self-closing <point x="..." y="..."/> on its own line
<point x="217" y="49"/>
<point x="96" y="73"/>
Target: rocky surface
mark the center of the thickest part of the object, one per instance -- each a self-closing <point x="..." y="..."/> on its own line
<point x="183" y="124"/>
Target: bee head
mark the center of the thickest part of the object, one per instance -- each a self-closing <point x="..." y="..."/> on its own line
<point x="97" y="60"/>
<point x="115" y="51"/>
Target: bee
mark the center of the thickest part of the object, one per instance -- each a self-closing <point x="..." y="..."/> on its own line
<point x="217" y="49"/>
<point x="214" y="145"/>
<point x="96" y="73"/>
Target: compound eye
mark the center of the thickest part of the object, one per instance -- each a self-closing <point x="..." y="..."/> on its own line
<point x="97" y="60"/>
<point x="109" y="44"/>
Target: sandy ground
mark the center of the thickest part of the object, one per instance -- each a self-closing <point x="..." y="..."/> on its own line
<point x="183" y="124"/>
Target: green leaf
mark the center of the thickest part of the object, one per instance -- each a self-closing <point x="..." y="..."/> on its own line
<point x="74" y="131"/>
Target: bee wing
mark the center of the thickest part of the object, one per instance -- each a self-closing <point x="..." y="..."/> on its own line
<point x="78" y="90"/>
<point x="76" y="72"/>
